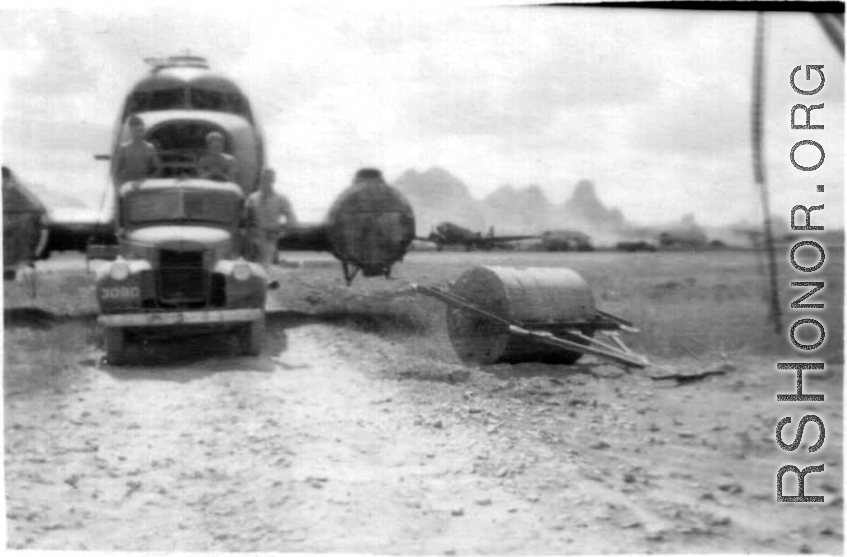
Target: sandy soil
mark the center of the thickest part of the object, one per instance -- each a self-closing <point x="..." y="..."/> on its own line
<point x="344" y="439"/>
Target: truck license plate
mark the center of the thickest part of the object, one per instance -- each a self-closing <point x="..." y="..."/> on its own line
<point x="120" y="292"/>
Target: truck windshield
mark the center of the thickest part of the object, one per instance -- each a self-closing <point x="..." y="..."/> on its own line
<point x="181" y="205"/>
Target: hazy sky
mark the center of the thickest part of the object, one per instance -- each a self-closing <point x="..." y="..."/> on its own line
<point x="653" y="106"/>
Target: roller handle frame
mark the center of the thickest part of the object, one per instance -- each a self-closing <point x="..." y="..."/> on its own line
<point x="607" y="351"/>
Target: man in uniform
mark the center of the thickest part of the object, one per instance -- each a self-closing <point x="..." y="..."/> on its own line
<point x="215" y="164"/>
<point x="264" y="209"/>
<point x="136" y="159"/>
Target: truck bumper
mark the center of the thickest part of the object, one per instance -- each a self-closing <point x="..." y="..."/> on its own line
<point x="202" y="317"/>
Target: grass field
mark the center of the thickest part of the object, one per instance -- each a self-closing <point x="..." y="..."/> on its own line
<point x="685" y="304"/>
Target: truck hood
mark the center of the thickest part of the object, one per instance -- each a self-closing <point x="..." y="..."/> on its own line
<point x="181" y="238"/>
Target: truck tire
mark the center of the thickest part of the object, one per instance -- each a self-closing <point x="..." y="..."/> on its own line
<point x="115" y="345"/>
<point x="252" y="337"/>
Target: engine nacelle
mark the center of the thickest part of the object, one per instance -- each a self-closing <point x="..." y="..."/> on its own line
<point x="370" y="225"/>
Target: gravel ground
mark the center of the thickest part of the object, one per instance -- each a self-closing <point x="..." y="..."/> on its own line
<point x="346" y="435"/>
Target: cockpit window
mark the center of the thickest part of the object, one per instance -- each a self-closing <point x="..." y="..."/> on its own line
<point x="160" y="99"/>
<point x="237" y="105"/>
<point x="208" y="99"/>
<point x="199" y="98"/>
<point x="165" y="99"/>
<point x="137" y="102"/>
<point x="182" y="205"/>
<point x="203" y="99"/>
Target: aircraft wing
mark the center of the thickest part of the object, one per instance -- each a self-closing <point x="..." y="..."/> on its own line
<point x="304" y="237"/>
<point x="75" y="229"/>
<point x="75" y="232"/>
<point x="497" y="239"/>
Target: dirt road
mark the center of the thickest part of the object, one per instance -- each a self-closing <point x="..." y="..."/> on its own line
<point x="347" y="436"/>
<point x="322" y="446"/>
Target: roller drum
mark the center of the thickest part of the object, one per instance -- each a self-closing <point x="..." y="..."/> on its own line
<point x="550" y="299"/>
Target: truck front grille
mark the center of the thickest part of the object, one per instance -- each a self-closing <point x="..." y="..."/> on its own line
<point x="182" y="281"/>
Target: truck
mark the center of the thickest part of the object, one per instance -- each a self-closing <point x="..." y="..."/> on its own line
<point x="180" y="259"/>
<point x="180" y="266"/>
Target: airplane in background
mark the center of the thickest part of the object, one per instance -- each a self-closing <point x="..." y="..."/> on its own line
<point x="180" y="101"/>
<point x="450" y="234"/>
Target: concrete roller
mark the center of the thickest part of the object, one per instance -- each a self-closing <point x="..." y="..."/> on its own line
<point x="552" y="299"/>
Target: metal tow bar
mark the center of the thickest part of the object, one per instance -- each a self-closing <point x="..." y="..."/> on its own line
<point x="619" y="354"/>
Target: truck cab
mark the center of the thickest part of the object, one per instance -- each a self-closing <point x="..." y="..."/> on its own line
<point x="180" y="265"/>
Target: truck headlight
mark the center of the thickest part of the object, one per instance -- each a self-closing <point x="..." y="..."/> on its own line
<point x="241" y="271"/>
<point x="119" y="271"/>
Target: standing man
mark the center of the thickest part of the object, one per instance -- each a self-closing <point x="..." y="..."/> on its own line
<point x="215" y="164"/>
<point x="137" y="159"/>
<point x="264" y="211"/>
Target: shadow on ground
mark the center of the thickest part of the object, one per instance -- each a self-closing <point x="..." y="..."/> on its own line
<point x="379" y="322"/>
<point x="187" y="358"/>
<point x="193" y="357"/>
<point x="554" y="371"/>
<point x="42" y="319"/>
